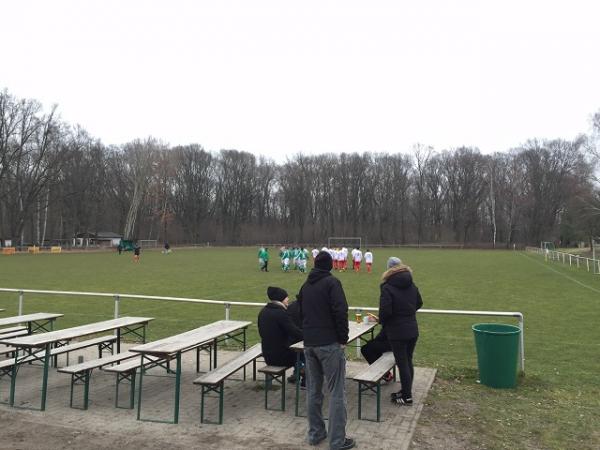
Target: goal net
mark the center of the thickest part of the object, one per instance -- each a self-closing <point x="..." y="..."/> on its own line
<point x="148" y="243"/>
<point x="348" y="242"/>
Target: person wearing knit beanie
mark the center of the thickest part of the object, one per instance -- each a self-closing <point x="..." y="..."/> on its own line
<point x="277" y="294"/>
<point x="324" y="261"/>
<point x="393" y="261"/>
<point x="277" y="329"/>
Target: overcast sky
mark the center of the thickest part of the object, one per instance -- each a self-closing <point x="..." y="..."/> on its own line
<point x="279" y="77"/>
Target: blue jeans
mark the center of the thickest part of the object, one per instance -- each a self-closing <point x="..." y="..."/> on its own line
<point x="327" y="363"/>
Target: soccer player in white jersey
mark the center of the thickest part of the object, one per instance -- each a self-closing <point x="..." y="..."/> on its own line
<point x="357" y="258"/>
<point x="368" y="260"/>
<point x="344" y="258"/>
<point x="337" y="259"/>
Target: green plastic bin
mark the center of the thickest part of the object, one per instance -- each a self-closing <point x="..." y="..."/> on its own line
<point x="497" y="354"/>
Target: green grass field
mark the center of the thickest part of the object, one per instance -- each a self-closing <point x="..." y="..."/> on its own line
<point x="557" y="403"/>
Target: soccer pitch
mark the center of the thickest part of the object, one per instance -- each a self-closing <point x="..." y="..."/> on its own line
<point x="555" y="406"/>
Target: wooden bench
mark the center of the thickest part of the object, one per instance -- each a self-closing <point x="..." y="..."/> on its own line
<point x="3" y="331"/>
<point x="8" y="333"/>
<point x="14" y="334"/>
<point x="277" y="374"/>
<point x="127" y="372"/>
<point x="8" y="351"/>
<point x="103" y="342"/>
<point x="370" y="380"/>
<point x="81" y="373"/>
<point x="214" y="380"/>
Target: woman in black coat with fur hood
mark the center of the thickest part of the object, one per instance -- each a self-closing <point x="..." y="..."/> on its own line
<point x="398" y="304"/>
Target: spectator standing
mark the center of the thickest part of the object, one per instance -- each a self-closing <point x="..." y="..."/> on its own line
<point x="398" y="305"/>
<point x="324" y="312"/>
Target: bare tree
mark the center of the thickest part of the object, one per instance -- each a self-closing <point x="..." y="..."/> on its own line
<point x="140" y="158"/>
<point x="193" y="188"/>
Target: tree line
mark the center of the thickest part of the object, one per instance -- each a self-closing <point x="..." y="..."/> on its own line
<point x="56" y="180"/>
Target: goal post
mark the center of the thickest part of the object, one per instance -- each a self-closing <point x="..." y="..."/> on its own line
<point x="342" y="241"/>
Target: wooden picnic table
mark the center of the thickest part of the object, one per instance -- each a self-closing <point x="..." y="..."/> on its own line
<point x="355" y="331"/>
<point x="173" y="346"/>
<point x="37" y="321"/>
<point x="123" y="325"/>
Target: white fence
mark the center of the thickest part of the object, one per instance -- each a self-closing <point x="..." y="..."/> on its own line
<point x="228" y="305"/>
<point x="592" y="265"/>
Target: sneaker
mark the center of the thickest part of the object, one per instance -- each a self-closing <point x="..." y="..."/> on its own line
<point x="388" y="377"/>
<point x="403" y="401"/>
<point x="395" y="395"/>
<point x="348" y="443"/>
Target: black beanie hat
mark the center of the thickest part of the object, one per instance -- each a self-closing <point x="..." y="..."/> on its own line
<point x="275" y="293"/>
<point x="324" y="261"/>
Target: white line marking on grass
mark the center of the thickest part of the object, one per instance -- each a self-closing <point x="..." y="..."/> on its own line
<point x="563" y="274"/>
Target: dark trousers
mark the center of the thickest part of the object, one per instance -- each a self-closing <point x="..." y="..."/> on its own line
<point x="376" y="347"/>
<point x="403" y="354"/>
<point x="287" y="359"/>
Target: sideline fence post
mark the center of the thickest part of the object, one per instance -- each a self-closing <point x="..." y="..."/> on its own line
<point x="522" y="343"/>
<point x="227" y="316"/>
<point x="21" y="303"/>
<point x="587" y="260"/>
<point x="117" y="298"/>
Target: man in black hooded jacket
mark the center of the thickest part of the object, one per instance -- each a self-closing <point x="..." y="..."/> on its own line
<point x="324" y="313"/>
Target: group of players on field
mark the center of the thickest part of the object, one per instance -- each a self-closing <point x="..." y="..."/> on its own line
<point x="296" y="258"/>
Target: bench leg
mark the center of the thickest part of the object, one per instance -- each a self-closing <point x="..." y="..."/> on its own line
<point x="203" y="392"/>
<point x="75" y="378"/>
<point x="132" y="392"/>
<point x="139" y="408"/>
<point x="220" y="388"/>
<point x="363" y="387"/>
<point x="215" y="354"/>
<point x="177" y="388"/>
<point x="221" y="406"/>
<point x="45" y="379"/>
<point x="13" y="382"/>
<point x="129" y="376"/>
<point x="378" y="401"/>
<point x="197" y="359"/>
<point x="267" y="387"/>
<point x="269" y="379"/>
<point x="86" y="389"/>
<point x="360" y="400"/>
